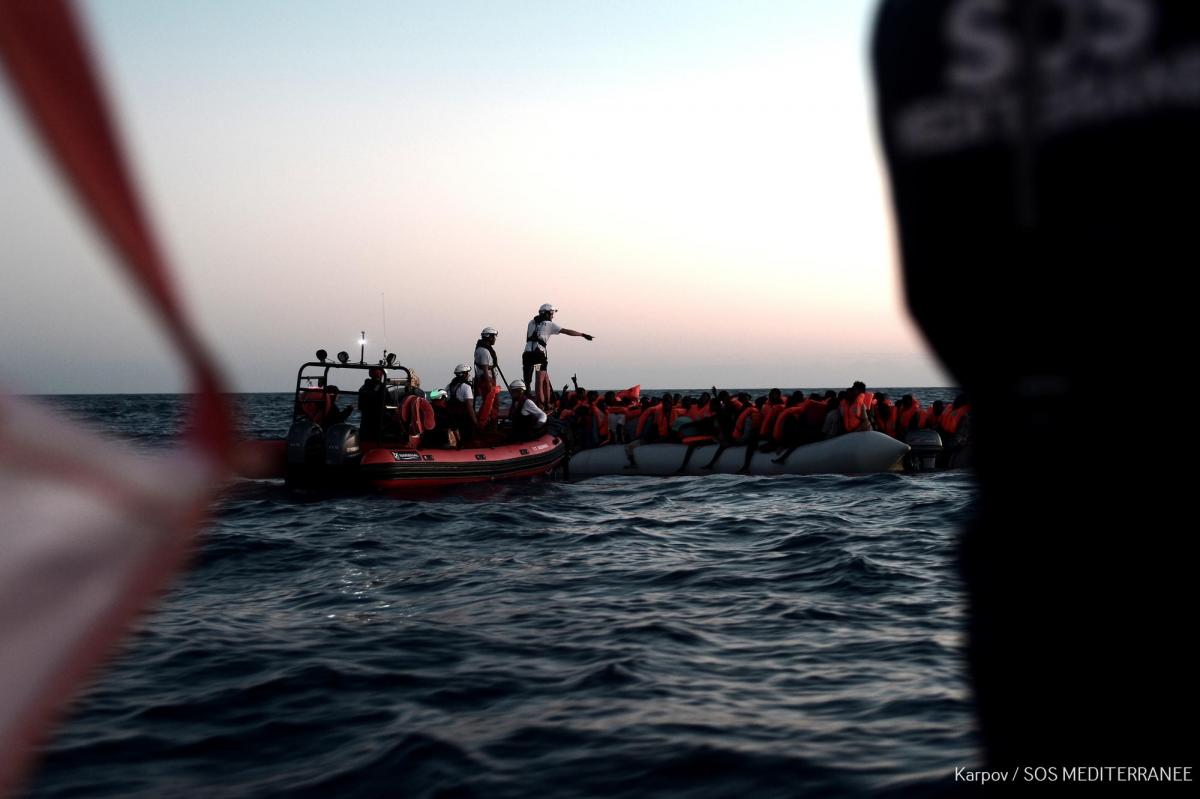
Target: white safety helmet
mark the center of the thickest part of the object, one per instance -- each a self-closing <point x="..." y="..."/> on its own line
<point x="516" y="385"/>
<point x="547" y="308"/>
<point x="462" y="369"/>
<point x="488" y="331"/>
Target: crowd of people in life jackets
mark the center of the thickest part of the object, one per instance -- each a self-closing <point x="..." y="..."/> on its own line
<point x="466" y="412"/>
<point x="770" y="423"/>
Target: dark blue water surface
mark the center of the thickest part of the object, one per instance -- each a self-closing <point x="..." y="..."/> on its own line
<point x="679" y="637"/>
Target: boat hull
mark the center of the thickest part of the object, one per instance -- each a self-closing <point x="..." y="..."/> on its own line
<point x="400" y="469"/>
<point x="853" y="453"/>
<point x="397" y="468"/>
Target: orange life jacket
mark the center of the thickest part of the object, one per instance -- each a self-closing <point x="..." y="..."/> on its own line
<point x="754" y="415"/>
<point x="950" y="419"/>
<point x="850" y="418"/>
<point x="768" y="418"/>
<point x="662" y="421"/>
<point x="315" y="404"/>
<point x="781" y="417"/>
<point x="817" y="409"/>
<point x="633" y="393"/>
<point x="888" y="424"/>
<point x="601" y="423"/>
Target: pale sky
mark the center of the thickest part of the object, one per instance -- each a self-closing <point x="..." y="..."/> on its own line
<point x="697" y="184"/>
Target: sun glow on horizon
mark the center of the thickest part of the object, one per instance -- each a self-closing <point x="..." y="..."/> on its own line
<point x="708" y="193"/>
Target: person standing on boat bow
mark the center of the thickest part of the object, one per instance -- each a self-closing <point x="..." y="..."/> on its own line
<point x="537" y="334"/>
<point x="486" y="366"/>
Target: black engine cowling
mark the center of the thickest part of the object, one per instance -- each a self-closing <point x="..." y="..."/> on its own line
<point x="305" y="451"/>
<point x="926" y="447"/>
<point x="341" y="446"/>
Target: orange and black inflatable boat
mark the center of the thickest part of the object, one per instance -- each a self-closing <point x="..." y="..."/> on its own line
<point x="322" y="450"/>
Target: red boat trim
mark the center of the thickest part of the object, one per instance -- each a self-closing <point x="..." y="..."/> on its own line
<point x="460" y="471"/>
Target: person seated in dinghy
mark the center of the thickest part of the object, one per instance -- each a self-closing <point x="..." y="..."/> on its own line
<point x="654" y="427"/>
<point x="589" y="426"/>
<point x="908" y="416"/>
<point x="614" y="416"/>
<point x="528" y="421"/>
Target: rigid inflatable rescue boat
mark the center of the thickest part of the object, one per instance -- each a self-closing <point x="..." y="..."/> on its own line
<point x="323" y="451"/>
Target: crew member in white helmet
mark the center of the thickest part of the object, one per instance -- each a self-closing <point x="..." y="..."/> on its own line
<point x="528" y="420"/>
<point x="485" y="376"/>
<point x="537" y="333"/>
<point x="460" y="403"/>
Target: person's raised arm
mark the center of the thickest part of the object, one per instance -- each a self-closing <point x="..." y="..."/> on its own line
<point x="568" y="332"/>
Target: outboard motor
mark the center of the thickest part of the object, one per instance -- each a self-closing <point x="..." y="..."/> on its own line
<point x="341" y="446"/>
<point x="926" y="447"/>
<point x="305" y="455"/>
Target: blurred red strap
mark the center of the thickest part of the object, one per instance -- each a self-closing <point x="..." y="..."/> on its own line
<point x="91" y="530"/>
<point x="52" y="72"/>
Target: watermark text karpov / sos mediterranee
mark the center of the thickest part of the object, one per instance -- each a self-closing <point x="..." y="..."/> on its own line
<point x="1076" y="774"/>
